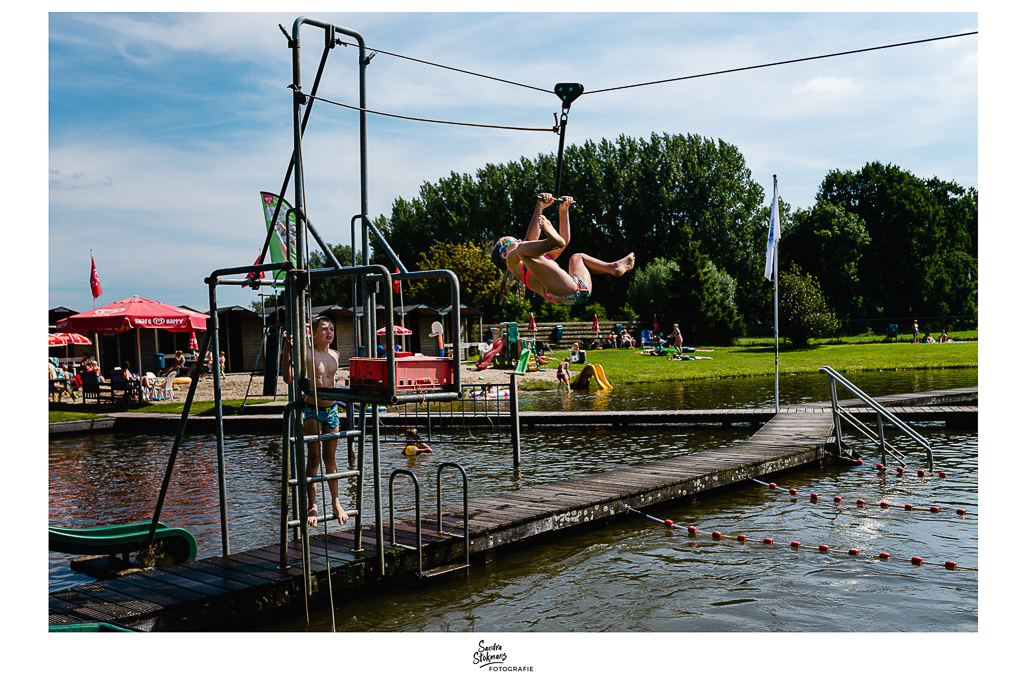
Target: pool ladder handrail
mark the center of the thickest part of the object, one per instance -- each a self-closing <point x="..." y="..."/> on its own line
<point x="882" y="413"/>
<point x="440" y="570"/>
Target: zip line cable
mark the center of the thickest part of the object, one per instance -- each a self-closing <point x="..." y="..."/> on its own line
<point x="553" y="129"/>
<point x="442" y="66"/>
<point x="614" y="88"/>
<point x="788" y="61"/>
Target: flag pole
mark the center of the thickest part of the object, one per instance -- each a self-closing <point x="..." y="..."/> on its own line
<point x="95" y="335"/>
<point x="775" y="287"/>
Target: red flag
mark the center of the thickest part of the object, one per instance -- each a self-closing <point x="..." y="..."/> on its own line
<point x="252" y="274"/>
<point x="94" y="281"/>
<point x="396" y="285"/>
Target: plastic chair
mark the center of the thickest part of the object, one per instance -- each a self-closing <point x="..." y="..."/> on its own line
<point x="164" y="387"/>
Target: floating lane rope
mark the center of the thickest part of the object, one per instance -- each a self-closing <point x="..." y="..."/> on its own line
<point x="861" y="503"/>
<point x="692" y="531"/>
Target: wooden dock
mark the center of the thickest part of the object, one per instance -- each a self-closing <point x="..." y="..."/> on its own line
<point x="243" y="587"/>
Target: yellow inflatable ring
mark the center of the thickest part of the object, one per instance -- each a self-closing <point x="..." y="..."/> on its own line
<point x="182" y="381"/>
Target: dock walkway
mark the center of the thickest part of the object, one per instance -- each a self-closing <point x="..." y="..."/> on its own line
<point x="248" y="586"/>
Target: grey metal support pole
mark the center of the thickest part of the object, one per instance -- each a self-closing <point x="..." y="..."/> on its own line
<point x="513" y="407"/>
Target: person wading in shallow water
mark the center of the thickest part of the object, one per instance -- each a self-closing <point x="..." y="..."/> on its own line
<point x="319" y="415"/>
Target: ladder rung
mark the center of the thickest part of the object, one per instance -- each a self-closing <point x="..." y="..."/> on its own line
<point x="351" y="515"/>
<point x="443" y="569"/>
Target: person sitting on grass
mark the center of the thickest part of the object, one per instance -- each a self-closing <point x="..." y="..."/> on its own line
<point x="319" y="415"/>
<point x="531" y="261"/>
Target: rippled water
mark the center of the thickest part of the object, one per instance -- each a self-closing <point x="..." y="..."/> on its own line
<point x="635" y="575"/>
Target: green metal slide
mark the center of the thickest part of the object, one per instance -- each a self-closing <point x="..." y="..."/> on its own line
<point x="113" y="539"/>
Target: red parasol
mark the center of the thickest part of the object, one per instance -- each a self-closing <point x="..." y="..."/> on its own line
<point x="193" y="343"/>
<point x="532" y="327"/>
<point x="597" y="326"/>
<point x="655" y="327"/>
<point x="64" y="339"/>
<point x="399" y="330"/>
<point x="134" y="312"/>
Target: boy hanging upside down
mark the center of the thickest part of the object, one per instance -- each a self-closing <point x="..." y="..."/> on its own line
<point x="319" y="415"/>
<point x="532" y="261"/>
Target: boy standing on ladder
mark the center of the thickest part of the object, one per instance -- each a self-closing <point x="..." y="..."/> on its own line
<point x="319" y="415"/>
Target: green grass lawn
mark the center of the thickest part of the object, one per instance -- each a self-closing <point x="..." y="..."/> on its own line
<point x="625" y="366"/>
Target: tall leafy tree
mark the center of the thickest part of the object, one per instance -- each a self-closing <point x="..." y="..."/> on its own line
<point x="829" y="243"/>
<point x="918" y="229"/>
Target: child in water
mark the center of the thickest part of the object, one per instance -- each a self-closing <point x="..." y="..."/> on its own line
<point x="413" y="445"/>
<point x="563" y="374"/>
<point x="532" y="261"/>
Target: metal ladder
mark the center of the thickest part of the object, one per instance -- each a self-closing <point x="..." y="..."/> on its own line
<point x="839" y="413"/>
<point x="442" y="569"/>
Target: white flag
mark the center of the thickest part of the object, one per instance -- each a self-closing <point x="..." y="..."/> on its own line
<point x="774" y="233"/>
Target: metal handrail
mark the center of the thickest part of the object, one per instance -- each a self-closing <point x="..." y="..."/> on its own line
<point x="838" y="412"/>
<point x="465" y="509"/>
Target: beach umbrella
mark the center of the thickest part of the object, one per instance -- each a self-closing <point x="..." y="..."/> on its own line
<point x="399" y="330"/>
<point x="532" y="327"/>
<point x="193" y="343"/>
<point x="134" y="313"/>
<point x="654" y="326"/>
<point x="597" y="326"/>
<point x="62" y="339"/>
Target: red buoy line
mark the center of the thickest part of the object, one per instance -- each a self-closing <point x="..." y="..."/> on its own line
<point x="861" y="503"/>
<point x="795" y="545"/>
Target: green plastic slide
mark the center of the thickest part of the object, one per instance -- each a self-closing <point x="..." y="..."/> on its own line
<point x="113" y="539"/>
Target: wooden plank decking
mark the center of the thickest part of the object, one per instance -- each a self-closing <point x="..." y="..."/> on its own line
<point x="249" y="585"/>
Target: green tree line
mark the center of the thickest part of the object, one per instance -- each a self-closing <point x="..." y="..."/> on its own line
<point x="878" y="242"/>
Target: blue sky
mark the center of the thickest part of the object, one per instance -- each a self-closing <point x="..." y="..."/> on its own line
<point x="163" y="128"/>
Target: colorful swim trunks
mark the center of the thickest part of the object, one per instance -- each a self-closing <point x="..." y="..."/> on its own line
<point x="327" y="415"/>
<point x="580" y="296"/>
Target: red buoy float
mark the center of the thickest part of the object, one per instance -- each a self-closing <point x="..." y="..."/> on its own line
<point x="934" y="509"/>
<point x="884" y="556"/>
<point x="795" y="544"/>
<point x="917" y="560"/>
<point x="772" y="485"/>
<point x="883" y="504"/>
<point x="837" y="499"/>
<point x="950" y="565"/>
<point x="669" y="523"/>
<point x="741" y="538"/>
<point x="920" y="473"/>
<point x="767" y="540"/>
<point x="942" y="474"/>
<point x="823" y="548"/>
<point x="792" y="491"/>
<point x="691" y="529"/>
<point x="908" y="507"/>
<point x="860" y="502"/>
<point x="853" y="552"/>
<point x="716" y="535"/>
<point x="814" y="497"/>
<point x="961" y="511"/>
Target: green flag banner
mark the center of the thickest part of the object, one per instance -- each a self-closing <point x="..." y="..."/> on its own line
<point x="281" y="236"/>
